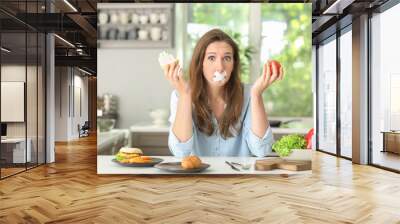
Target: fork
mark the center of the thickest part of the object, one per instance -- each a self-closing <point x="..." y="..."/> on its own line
<point x="232" y="166"/>
<point x="244" y="167"/>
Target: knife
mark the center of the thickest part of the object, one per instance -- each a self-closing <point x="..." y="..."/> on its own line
<point x="232" y="166"/>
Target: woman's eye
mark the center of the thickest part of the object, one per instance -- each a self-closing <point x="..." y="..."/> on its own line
<point x="228" y="58"/>
<point x="211" y="58"/>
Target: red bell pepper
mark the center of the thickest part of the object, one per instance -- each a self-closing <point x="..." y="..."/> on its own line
<point x="308" y="138"/>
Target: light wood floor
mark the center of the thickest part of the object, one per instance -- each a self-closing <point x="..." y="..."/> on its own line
<point x="9" y="171"/>
<point x="70" y="191"/>
<point x="5" y="172"/>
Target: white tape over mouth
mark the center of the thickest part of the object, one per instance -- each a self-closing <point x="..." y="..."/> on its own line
<point x="219" y="76"/>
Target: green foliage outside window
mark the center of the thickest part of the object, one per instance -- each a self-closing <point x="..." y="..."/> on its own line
<point x="292" y="96"/>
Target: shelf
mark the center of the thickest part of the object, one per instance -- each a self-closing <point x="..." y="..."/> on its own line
<point x="116" y="26"/>
<point x="108" y="32"/>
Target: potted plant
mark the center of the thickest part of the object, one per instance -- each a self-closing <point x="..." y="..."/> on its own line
<point x="294" y="147"/>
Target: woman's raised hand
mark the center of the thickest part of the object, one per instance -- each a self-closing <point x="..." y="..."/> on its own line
<point x="174" y="74"/>
<point x="272" y="71"/>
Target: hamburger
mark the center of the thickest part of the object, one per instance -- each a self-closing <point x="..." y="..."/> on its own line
<point x="126" y="154"/>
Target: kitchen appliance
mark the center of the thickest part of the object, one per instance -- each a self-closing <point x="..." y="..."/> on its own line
<point x="279" y="123"/>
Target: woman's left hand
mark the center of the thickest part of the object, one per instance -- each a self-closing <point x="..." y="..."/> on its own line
<point x="272" y="71"/>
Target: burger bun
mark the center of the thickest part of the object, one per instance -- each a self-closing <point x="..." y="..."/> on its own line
<point x="131" y="151"/>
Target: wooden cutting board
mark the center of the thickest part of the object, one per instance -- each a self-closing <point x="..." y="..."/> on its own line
<point x="277" y="163"/>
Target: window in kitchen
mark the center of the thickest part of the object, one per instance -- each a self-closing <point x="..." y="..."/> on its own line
<point x="286" y="37"/>
<point x="346" y="93"/>
<point x="327" y="96"/>
<point x="385" y="89"/>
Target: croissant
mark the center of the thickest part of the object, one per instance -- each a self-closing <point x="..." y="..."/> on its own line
<point x="191" y="162"/>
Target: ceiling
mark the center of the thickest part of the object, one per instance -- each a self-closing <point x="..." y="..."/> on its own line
<point x="331" y="15"/>
<point x="72" y="20"/>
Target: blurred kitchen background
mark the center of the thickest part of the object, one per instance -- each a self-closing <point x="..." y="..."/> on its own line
<point x="133" y="96"/>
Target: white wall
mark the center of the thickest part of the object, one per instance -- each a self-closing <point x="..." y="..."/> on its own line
<point x="61" y="103"/>
<point x="33" y="126"/>
<point x="80" y="118"/>
<point x="66" y="120"/>
<point x="13" y="73"/>
<point x="135" y="76"/>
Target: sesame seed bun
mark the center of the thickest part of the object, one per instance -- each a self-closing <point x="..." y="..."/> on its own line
<point x="131" y="150"/>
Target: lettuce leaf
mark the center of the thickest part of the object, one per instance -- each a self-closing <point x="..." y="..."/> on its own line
<point x="285" y="145"/>
<point x="119" y="157"/>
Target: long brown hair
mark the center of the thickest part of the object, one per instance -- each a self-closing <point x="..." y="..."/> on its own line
<point x="233" y="90"/>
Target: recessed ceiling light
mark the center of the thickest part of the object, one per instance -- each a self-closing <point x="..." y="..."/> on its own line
<point x="64" y="40"/>
<point x="70" y="5"/>
<point x="84" y="71"/>
<point x="5" y="49"/>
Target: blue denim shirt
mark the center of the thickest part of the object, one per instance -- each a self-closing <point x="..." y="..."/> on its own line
<point x="244" y="143"/>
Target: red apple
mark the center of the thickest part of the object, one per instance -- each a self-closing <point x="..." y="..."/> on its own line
<point x="276" y="64"/>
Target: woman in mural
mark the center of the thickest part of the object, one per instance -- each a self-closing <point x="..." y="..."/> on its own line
<point x="214" y="114"/>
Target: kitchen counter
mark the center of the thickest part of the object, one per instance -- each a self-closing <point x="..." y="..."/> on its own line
<point x="217" y="166"/>
<point x="153" y="140"/>
<point x="165" y="129"/>
<point x="110" y="142"/>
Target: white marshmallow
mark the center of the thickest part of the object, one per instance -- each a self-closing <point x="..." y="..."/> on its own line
<point x="164" y="58"/>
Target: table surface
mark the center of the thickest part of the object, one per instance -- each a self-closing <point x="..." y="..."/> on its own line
<point x="217" y="166"/>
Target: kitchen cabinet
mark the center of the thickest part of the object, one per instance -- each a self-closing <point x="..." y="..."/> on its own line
<point x="153" y="140"/>
<point x="109" y="143"/>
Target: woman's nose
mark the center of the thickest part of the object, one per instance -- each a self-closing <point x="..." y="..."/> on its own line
<point x="219" y="65"/>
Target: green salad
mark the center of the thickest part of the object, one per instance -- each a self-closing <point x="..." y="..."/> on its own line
<point x="285" y="145"/>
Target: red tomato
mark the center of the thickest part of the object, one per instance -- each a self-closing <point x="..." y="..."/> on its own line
<point x="274" y="63"/>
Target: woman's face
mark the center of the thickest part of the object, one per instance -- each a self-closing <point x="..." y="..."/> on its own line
<point x="218" y="58"/>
